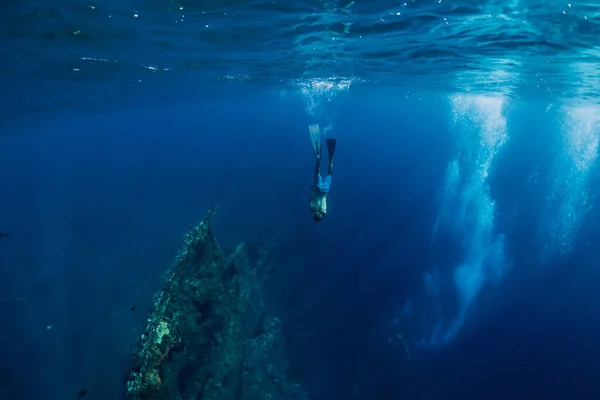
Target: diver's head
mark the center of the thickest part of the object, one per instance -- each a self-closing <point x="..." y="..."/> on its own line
<point x="318" y="216"/>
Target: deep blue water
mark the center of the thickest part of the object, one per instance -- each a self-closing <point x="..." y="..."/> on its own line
<point x="459" y="259"/>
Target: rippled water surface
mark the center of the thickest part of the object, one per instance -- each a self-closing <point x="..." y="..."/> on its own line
<point x="92" y="48"/>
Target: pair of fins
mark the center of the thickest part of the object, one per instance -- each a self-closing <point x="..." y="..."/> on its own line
<point x="315" y="139"/>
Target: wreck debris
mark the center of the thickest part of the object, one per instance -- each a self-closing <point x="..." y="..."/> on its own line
<point x="211" y="335"/>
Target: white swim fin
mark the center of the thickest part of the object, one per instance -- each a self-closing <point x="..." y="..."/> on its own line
<point x="315" y="138"/>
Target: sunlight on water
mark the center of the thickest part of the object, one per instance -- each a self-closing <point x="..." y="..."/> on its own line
<point x="514" y="47"/>
<point x="316" y="92"/>
<point x="569" y="201"/>
<point x="581" y="136"/>
<point x="502" y="80"/>
<point x="468" y="208"/>
<point x="585" y="76"/>
<point x="483" y="114"/>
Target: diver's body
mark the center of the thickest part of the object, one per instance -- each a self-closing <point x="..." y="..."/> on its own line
<point x="320" y="186"/>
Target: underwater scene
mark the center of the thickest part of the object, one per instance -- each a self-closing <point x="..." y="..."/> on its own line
<point x="299" y="200"/>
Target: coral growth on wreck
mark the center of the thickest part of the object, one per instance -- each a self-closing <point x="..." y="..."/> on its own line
<point x="211" y="335"/>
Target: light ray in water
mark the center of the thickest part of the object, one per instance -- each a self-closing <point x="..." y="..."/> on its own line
<point x="468" y="208"/>
<point x="569" y="200"/>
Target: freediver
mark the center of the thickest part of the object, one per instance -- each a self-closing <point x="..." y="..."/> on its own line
<point x="320" y="186"/>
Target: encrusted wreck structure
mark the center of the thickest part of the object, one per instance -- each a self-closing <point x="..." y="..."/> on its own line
<point x="210" y="335"/>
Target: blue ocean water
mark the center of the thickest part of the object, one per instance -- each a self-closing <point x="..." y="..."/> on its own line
<point x="458" y="259"/>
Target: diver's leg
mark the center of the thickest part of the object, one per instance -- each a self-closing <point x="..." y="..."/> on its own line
<point x="330" y="152"/>
<point x="330" y="148"/>
<point x="317" y="170"/>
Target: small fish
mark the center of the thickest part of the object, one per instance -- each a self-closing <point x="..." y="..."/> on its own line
<point x="132" y="308"/>
<point x="82" y="393"/>
<point x="96" y="319"/>
<point x="4" y="235"/>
